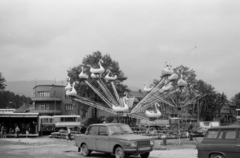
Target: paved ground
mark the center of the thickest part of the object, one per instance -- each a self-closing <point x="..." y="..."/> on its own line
<point x="44" y="147"/>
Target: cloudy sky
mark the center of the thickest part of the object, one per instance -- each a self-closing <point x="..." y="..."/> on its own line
<point x="43" y="39"/>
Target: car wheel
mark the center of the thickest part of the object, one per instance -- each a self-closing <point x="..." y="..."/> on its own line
<point x="119" y="152"/>
<point x="217" y="156"/>
<point x="145" y="155"/>
<point x="85" y="150"/>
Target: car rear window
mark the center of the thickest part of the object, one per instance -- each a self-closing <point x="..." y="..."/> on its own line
<point x="212" y="134"/>
<point x="227" y="134"/>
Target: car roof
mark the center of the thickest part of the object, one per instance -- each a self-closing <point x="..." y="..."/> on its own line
<point x="226" y="127"/>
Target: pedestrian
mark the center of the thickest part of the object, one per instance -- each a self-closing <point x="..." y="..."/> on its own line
<point x="1" y="132"/>
<point x="190" y="127"/>
<point x="4" y="132"/>
<point x="27" y="130"/>
<point x="17" y="131"/>
<point x="69" y="133"/>
<point x="83" y="129"/>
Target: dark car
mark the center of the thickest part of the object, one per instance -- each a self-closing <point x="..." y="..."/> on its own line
<point x="220" y="142"/>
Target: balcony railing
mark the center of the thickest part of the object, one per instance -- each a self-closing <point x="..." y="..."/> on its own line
<point x="46" y="99"/>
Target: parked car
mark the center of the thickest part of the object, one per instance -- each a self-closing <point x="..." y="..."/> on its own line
<point x="204" y="126"/>
<point x="220" y="142"/>
<point x="114" y="138"/>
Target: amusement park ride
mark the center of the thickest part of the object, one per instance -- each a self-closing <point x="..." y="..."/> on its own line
<point x="171" y="90"/>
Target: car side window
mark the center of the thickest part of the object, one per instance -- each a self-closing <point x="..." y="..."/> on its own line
<point x="212" y="134"/>
<point x="93" y="130"/>
<point x="102" y="130"/>
<point x="231" y="134"/>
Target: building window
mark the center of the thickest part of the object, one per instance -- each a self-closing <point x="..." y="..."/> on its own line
<point x="47" y="106"/>
<point x="44" y="94"/>
<point x="42" y="106"/>
<point x="93" y="112"/>
<point x="68" y="107"/>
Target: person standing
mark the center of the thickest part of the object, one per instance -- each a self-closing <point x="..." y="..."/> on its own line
<point x="5" y="132"/>
<point x="17" y="130"/>
<point x="69" y="133"/>
<point x="83" y="129"/>
<point x="1" y="131"/>
<point x="27" y="130"/>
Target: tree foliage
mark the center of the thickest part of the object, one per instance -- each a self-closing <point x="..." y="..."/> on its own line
<point x="10" y="100"/>
<point x="236" y="100"/>
<point x="210" y="104"/>
<point x="2" y="81"/>
<point x="84" y="90"/>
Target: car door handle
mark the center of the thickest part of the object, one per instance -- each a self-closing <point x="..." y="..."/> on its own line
<point x="238" y="145"/>
<point x="96" y="138"/>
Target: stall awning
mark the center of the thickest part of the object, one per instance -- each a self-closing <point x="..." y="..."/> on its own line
<point x="19" y="115"/>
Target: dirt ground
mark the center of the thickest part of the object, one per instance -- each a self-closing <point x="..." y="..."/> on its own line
<point x="45" y="147"/>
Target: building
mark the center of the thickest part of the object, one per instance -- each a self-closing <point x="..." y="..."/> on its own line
<point x="51" y="100"/>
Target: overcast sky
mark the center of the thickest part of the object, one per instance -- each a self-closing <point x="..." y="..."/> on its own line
<point x="43" y="39"/>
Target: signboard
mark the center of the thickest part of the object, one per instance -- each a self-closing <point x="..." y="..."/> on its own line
<point x="120" y="113"/>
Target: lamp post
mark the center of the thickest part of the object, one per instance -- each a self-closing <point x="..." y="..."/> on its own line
<point x="54" y="101"/>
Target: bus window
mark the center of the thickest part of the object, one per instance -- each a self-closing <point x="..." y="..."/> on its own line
<point x="70" y="119"/>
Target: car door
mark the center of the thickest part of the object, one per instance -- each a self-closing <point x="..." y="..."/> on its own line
<point x="225" y="142"/>
<point x="237" y="146"/>
<point x="90" y="138"/>
<point x="102" y="140"/>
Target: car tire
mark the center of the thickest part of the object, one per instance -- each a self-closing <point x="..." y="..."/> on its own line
<point x="119" y="153"/>
<point x="217" y="156"/>
<point x="145" y="155"/>
<point x="85" y="151"/>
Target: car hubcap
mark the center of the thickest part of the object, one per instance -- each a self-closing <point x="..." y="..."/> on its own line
<point x="119" y="154"/>
<point x="84" y="150"/>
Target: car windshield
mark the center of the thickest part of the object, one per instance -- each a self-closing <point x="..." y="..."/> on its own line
<point x="119" y="129"/>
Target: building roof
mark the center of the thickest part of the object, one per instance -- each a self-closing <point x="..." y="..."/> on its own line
<point x="22" y="109"/>
<point x="50" y="85"/>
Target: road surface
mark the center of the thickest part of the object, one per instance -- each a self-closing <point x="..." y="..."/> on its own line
<point x="60" y="148"/>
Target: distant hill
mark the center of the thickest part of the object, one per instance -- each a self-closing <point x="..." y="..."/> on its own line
<point x="26" y="87"/>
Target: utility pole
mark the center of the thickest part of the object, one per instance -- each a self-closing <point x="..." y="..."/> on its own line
<point x="54" y="100"/>
<point x="198" y="112"/>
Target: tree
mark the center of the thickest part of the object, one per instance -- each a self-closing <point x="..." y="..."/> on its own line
<point x="208" y="105"/>
<point x="212" y="103"/>
<point x="2" y="80"/>
<point x="236" y="100"/>
<point x="84" y="90"/>
<point x="10" y="100"/>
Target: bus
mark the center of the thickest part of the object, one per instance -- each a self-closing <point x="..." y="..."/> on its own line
<point x="64" y="121"/>
<point x="45" y="125"/>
